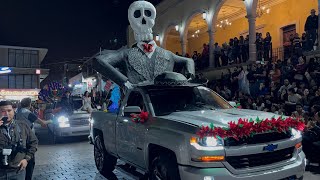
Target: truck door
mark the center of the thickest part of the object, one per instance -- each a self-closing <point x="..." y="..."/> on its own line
<point x="131" y="135"/>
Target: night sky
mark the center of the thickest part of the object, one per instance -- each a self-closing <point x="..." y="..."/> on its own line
<point x="68" y="28"/>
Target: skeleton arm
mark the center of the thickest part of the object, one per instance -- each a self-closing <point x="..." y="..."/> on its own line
<point x="107" y="62"/>
<point x="188" y="64"/>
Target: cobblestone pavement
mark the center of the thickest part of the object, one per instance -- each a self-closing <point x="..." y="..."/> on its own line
<point x="73" y="159"/>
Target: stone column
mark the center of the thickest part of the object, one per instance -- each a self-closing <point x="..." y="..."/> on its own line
<point x="252" y="38"/>
<point x="211" y="43"/>
<point x="184" y="44"/>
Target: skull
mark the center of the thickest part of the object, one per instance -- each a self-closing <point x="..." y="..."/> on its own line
<point x="142" y="15"/>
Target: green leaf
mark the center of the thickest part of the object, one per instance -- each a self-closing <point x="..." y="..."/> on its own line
<point x="241" y="125"/>
<point x="251" y="120"/>
<point x="211" y="126"/>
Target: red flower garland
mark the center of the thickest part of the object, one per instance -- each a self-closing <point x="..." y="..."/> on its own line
<point x="140" y="118"/>
<point x="247" y="128"/>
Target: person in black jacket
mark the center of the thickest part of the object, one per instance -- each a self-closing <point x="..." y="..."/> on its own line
<point x="66" y="102"/>
<point x="18" y="137"/>
<point x="311" y="139"/>
<point x="311" y="28"/>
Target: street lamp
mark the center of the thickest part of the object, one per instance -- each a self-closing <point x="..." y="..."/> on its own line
<point x="177" y="27"/>
<point x="204" y="15"/>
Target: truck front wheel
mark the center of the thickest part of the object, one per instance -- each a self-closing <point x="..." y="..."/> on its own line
<point x="164" y="167"/>
<point x="105" y="162"/>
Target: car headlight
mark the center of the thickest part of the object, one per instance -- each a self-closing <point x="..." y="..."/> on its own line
<point x="63" y="122"/>
<point x="207" y="143"/>
<point x="295" y="133"/>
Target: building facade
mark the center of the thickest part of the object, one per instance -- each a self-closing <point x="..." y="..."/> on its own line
<point x="20" y="70"/>
<point x="183" y="26"/>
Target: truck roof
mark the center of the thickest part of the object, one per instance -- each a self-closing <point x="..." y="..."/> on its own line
<point x="150" y="86"/>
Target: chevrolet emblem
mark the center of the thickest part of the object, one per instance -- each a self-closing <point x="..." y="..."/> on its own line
<point x="270" y="147"/>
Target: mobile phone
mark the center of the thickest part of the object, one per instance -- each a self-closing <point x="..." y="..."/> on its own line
<point x="4" y="119"/>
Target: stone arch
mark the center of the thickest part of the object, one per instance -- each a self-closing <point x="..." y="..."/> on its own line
<point x="188" y="43"/>
<point x="187" y="21"/>
<point x="251" y="7"/>
<point x="169" y="41"/>
<point x="166" y="32"/>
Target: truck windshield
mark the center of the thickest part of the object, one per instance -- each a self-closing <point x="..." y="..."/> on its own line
<point x="73" y="103"/>
<point x="77" y="103"/>
<point x="168" y="100"/>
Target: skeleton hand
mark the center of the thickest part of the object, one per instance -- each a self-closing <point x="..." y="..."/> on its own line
<point x="190" y="76"/>
<point x="128" y="85"/>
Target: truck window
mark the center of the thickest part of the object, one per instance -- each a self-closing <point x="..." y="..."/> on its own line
<point x="168" y="100"/>
<point x="136" y="99"/>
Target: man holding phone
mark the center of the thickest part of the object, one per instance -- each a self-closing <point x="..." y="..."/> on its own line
<point x="18" y="144"/>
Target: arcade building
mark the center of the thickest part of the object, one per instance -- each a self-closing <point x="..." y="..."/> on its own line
<point x="183" y="26"/>
<point x="20" y="72"/>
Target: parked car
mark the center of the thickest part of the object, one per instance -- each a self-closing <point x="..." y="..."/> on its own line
<point x="167" y="146"/>
<point x="68" y="120"/>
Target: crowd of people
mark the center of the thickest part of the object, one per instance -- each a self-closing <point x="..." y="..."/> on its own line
<point x="234" y="52"/>
<point x="237" y="49"/>
<point x="276" y="87"/>
<point x="290" y="88"/>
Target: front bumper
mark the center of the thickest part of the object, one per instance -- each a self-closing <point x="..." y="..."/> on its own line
<point x="295" y="169"/>
<point x="72" y="131"/>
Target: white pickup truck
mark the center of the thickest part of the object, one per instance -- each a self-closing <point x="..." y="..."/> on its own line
<point x="167" y="146"/>
<point x="69" y="121"/>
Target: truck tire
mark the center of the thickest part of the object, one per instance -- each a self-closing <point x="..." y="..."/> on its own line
<point x="104" y="161"/>
<point x="164" y="167"/>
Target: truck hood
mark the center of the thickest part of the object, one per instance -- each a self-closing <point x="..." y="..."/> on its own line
<point x="219" y="117"/>
<point x="76" y="114"/>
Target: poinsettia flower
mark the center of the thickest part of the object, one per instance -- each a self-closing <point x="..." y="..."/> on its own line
<point x="144" y="115"/>
<point x="245" y="128"/>
<point x="141" y="120"/>
<point x="301" y="127"/>
<point x="133" y="115"/>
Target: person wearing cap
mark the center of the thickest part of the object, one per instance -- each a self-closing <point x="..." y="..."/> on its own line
<point x="311" y="28"/>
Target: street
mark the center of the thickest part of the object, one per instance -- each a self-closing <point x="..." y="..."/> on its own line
<point x="73" y="159"/>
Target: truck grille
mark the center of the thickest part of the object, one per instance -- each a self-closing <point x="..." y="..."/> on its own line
<point x="79" y="122"/>
<point x="253" y="160"/>
<point x="258" y="138"/>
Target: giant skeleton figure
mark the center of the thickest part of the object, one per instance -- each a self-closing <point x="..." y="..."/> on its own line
<point x="145" y="60"/>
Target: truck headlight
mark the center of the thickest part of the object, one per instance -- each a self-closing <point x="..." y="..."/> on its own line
<point x="63" y="122"/>
<point x="207" y="143"/>
<point x="295" y="133"/>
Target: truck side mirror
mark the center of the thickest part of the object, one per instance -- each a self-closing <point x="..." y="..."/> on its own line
<point x="132" y="109"/>
<point x="232" y="103"/>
